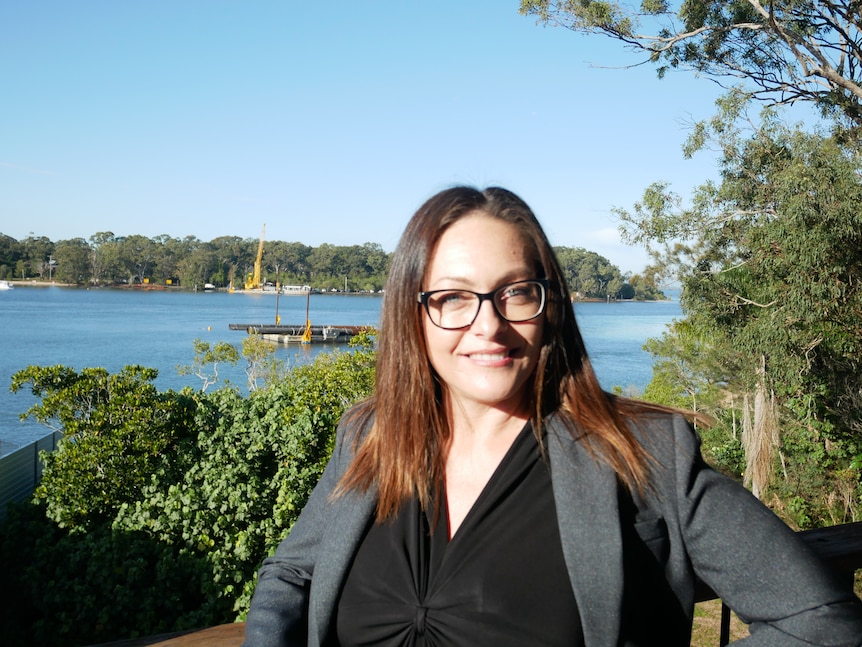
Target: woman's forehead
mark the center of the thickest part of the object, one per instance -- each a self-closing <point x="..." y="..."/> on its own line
<point x="480" y="247"/>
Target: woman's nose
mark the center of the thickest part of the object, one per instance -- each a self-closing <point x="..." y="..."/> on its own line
<point x="488" y="321"/>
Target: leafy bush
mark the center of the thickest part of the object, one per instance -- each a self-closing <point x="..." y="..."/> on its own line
<point x="176" y="546"/>
<point x="117" y="430"/>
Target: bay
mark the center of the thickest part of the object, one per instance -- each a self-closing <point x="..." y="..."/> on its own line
<point x="112" y="328"/>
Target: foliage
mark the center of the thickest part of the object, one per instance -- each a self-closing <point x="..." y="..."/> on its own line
<point x="590" y="275"/>
<point x="10" y="254"/>
<point x="73" y="261"/>
<point x="770" y="262"/>
<point x="117" y="430"/>
<point x="180" y="551"/>
<point x="255" y="464"/>
<point x="107" y="259"/>
<point x="63" y="588"/>
<point x="262" y="366"/>
<point x="688" y="370"/>
<point x="784" y="52"/>
<point x="207" y="359"/>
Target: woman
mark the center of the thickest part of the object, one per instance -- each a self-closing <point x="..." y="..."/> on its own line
<point x="490" y="493"/>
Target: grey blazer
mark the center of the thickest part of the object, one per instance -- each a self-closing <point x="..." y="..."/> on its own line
<point x="632" y="561"/>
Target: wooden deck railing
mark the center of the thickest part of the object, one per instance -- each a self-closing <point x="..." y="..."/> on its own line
<point x="840" y="546"/>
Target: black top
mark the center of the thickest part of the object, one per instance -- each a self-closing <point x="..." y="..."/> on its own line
<point x="500" y="581"/>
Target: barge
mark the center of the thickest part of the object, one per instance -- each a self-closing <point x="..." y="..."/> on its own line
<point x="299" y="333"/>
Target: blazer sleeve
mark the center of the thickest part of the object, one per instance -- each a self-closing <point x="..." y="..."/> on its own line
<point x="278" y="615"/>
<point x="754" y="561"/>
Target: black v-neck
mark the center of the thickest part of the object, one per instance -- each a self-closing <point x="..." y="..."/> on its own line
<point x="500" y="581"/>
<point x="488" y="490"/>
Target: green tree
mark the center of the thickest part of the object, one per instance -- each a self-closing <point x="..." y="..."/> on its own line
<point x="376" y="259"/>
<point x="262" y="367"/>
<point x="771" y="267"/>
<point x="326" y="261"/>
<point x="156" y="511"/>
<point x="783" y="52"/>
<point x="198" y="266"/>
<point x="11" y="252"/>
<point x="73" y="261"/>
<point x="255" y="463"/>
<point x="692" y="369"/>
<point x="37" y="251"/>
<point x="117" y="431"/>
<point x="169" y="252"/>
<point x="590" y="275"/>
<point x="646" y="285"/>
<point x="138" y="256"/>
<point x="207" y="359"/>
<point x="233" y="256"/>
<point x="296" y="261"/>
<point x="103" y="257"/>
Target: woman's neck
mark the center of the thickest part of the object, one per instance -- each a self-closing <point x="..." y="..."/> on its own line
<point x="476" y="448"/>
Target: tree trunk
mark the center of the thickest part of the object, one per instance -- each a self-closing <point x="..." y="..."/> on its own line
<point x="760" y="439"/>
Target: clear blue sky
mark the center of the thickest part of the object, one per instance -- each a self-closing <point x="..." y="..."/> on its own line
<point x="328" y="121"/>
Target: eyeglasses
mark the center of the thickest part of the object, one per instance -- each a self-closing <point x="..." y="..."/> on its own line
<point x="515" y="302"/>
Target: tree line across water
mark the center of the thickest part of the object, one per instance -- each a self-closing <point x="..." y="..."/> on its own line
<point x="106" y="259"/>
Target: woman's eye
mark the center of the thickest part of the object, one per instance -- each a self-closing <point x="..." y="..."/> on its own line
<point x="515" y="291"/>
<point x="451" y="299"/>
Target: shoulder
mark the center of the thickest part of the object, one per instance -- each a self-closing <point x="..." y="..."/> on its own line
<point x="665" y="435"/>
<point x="356" y="422"/>
<point x="354" y="425"/>
<point x="662" y="435"/>
<point x="665" y="440"/>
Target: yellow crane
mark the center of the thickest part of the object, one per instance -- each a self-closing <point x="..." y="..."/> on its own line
<point x="252" y="282"/>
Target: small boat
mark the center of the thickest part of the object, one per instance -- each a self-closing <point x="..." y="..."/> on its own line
<point x="6" y="285"/>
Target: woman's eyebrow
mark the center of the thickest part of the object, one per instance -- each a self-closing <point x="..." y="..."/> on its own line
<point x="522" y="274"/>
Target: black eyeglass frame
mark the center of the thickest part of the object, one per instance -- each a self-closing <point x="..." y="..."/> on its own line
<point x="423" y="298"/>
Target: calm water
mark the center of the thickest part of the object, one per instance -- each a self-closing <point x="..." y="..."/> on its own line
<point x="113" y="328"/>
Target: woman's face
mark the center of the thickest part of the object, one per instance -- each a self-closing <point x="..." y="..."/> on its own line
<point x="488" y="363"/>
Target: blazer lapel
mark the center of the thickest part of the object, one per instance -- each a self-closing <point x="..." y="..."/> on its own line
<point x="350" y="517"/>
<point x="585" y="494"/>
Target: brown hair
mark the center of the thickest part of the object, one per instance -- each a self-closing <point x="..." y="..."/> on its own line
<point x="403" y="453"/>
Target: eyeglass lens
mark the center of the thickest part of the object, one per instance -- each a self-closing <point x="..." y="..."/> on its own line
<point x="514" y="302"/>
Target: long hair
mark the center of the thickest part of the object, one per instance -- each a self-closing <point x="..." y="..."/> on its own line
<point x="404" y="451"/>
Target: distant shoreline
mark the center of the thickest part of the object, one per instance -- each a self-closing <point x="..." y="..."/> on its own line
<point x="35" y="283"/>
<point x="155" y="287"/>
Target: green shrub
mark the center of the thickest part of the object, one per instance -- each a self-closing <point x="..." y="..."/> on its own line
<point x="177" y="544"/>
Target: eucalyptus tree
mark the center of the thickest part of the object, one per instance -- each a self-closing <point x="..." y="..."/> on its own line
<point x="73" y="261"/>
<point x="770" y="261"/>
<point x="138" y="255"/>
<point x="166" y="256"/>
<point x="781" y="52"/>
<point x="37" y="251"/>
<point x="276" y="259"/>
<point x="232" y="256"/>
<point x="199" y="265"/>
<point x="11" y="252"/>
<point x="103" y="256"/>
<point x="296" y="260"/>
<point x="327" y="264"/>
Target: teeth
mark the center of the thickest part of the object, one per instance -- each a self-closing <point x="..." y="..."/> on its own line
<point x="489" y="356"/>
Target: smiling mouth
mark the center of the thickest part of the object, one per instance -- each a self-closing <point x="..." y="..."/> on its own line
<point x="490" y="357"/>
